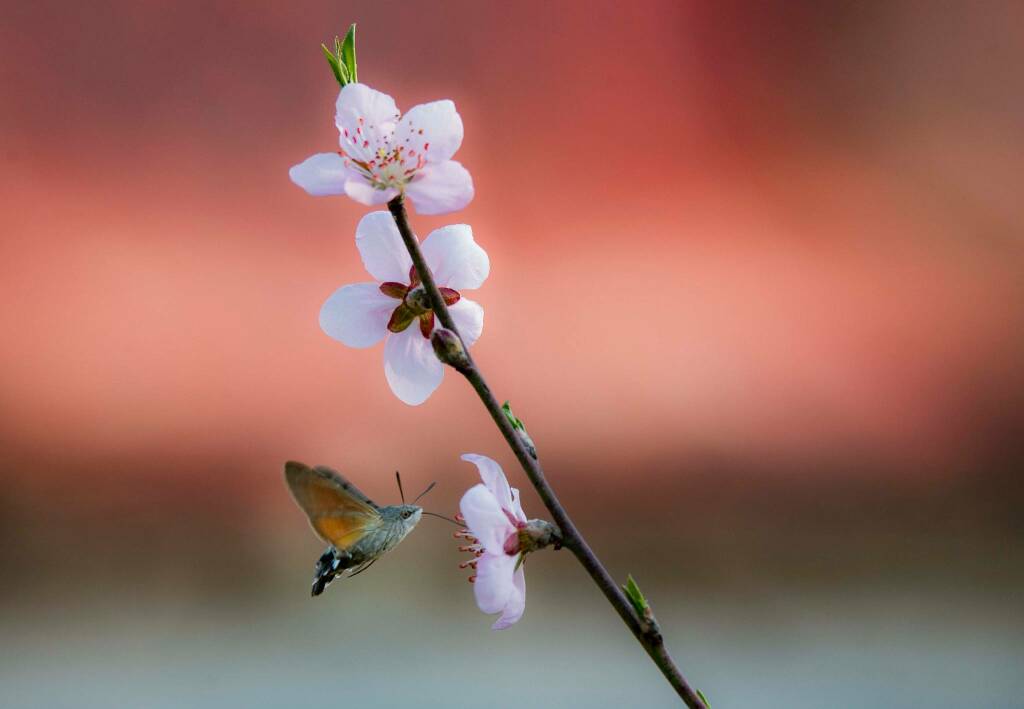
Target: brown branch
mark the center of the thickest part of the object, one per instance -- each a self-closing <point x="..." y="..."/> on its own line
<point x="645" y="631"/>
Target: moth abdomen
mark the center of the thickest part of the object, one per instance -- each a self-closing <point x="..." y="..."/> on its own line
<point x="328" y="567"/>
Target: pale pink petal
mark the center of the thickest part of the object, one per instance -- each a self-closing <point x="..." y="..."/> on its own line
<point x="364" y="114"/>
<point x="440" y="188"/>
<point x="493" y="477"/>
<point x="363" y="192"/>
<point x="485" y="519"/>
<point x="494" y="583"/>
<point x="411" y="367"/>
<point x="517" y="506"/>
<point x="321" y="174"/>
<point x="516" y="603"/>
<point x="357" y="315"/>
<point x="381" y="248"/>
<point x="455" y="259"/>
<point x="433" y="130"/>
<point x="469" y="319"/>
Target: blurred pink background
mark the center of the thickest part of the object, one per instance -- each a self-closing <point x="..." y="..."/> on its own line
<point x="757" y="286"/>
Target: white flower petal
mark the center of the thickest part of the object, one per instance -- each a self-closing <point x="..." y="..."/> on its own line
<point x="357" y="314"/>
<point x="381" y="248"/>
<point x="411" y="367"/>
<point x="493" y="477"/>
<point x="433" y="130"/>
<point x="455" y="259"/>
<point x="440" y="188"/>
<point x="364" y="114"/>
<point x="516" y="603"/>
<point x="363" y="192"/>
<point x="485" y="519"/>
<point x="321" y="174"/>
<point x="494" y="581"/>
<point x="517" y="506"/>
<point x="469" y="319"/>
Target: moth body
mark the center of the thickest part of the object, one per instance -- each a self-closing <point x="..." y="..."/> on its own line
<point x="357" y="530"/>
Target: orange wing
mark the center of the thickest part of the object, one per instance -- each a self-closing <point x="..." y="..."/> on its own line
<point x="338" y="512"/>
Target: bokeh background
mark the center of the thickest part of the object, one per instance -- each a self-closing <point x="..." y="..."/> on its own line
<point x="757" y="289"/>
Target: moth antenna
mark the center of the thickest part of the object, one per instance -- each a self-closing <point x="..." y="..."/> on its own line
<point x="398" y="477"/>
<point x="429" y="488"/>
<point x="446" y="519"/>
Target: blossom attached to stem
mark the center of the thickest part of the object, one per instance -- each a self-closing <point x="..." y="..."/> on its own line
<point x="383" y="154"/>
<point x="395" y="307"/>
<point x="494" y="517"/>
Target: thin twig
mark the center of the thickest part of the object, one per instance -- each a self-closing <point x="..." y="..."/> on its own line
<point x="647" y="634"/>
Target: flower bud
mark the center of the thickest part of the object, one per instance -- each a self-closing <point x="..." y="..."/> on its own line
<point x="448" y="348"/>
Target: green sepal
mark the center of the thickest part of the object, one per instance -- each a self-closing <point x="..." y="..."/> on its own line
<point x="347" y="53"/>
<point x="519" y="562"/>
<point x="704" y="699"/>
<point x="636" y="597"/>
<point x="401" y="318"/>
<point x="519" y="427"/>
<point x="394" y="290"/>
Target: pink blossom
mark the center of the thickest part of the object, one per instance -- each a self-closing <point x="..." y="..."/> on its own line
<point x="495" y="517"/>
<point x="383" y="154"/>
<point x="391" y="308"/>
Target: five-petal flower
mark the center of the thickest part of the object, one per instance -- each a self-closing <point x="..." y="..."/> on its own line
<point x="495" y="517"/>
<point x="395" y="308"/>
<point x="383" y="154"/>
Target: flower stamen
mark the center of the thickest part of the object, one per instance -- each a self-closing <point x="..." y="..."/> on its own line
<point x="474" y="547"/>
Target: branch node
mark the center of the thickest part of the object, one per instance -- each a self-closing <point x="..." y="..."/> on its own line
<point x="538" y="534"/>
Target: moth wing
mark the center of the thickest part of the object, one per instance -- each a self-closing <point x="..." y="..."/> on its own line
<point x="338" y="512"/>
<point x="346" y="485"/>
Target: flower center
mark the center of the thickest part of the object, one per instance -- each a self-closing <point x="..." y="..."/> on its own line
<point x="371" y="151"/>
<point x="417" y="300"/>
<point x="415" y="304"/>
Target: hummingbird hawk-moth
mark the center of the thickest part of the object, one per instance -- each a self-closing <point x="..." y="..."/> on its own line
<point x="357" y="530"/>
